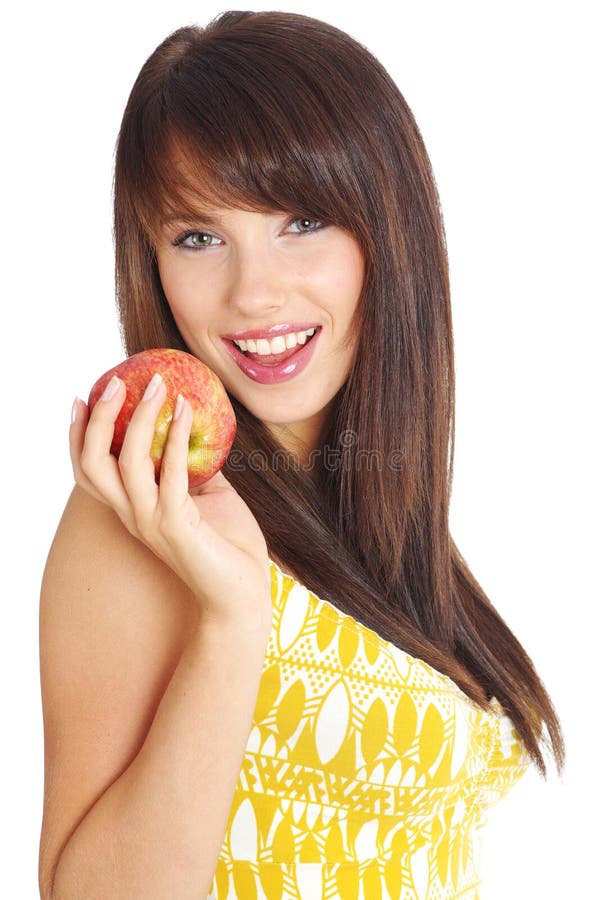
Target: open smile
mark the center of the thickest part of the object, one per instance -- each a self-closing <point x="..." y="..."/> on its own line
<point x="273" y="368"/>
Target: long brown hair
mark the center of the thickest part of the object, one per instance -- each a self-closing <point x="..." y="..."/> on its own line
<point x="275" y="111"/>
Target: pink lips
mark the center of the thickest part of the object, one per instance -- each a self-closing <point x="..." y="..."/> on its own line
<point x="264" y="373"/>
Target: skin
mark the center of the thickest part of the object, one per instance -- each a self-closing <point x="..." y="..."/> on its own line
<point x="243" y="270"/>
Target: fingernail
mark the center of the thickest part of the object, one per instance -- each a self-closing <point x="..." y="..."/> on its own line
<point x="74" y="411"/>
<point x="153" y="387"/>
<point x="111" y="388"/>
<point x="179" y="405"/>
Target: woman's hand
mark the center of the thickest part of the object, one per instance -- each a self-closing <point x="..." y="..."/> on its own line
<point x="210" y="539"/>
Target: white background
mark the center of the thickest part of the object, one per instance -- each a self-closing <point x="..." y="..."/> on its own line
<point x="506" y="98"/>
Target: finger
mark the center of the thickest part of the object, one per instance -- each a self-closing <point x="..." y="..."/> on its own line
<point x="94" y="462"/>
<point x="79" y="420"/>
<point x="135" y="462"/>
<point x="173" y="485"/>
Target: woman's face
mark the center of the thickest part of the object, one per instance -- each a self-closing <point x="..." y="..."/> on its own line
<point x="233" y="271"/>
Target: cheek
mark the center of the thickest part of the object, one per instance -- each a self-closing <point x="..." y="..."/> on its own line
<point x="342" y="276"/>
<point x="354" y="269"/>
<point x="178" y="289"/>
<point x="167" y="279"/>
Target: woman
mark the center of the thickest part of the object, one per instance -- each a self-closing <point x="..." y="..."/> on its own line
<point x="303" y="628"/>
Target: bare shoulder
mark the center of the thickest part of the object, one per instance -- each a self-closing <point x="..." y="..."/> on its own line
<point x="114" y="622"/>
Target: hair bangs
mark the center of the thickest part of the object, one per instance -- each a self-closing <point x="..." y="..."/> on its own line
<point x="251" y="138"/>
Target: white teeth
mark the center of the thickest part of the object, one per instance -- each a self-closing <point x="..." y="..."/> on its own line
<point x="282" y="342"/>
<point x="263" y="346"/>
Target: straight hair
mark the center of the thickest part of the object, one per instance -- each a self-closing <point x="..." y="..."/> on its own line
<point x="281" y="112"/>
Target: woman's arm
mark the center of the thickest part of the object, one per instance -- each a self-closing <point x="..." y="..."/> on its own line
<point x="147" y="711"/>
<point x="154" y="622"/>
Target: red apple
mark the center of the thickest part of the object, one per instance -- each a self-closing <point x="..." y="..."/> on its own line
<point x="213" y="424"/>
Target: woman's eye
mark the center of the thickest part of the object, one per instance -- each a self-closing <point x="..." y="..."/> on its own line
<point x="303" y="225"/>
<point x="195" y="240"/>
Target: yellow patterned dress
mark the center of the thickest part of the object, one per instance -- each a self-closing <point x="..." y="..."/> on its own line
<point x="366" y="772"/>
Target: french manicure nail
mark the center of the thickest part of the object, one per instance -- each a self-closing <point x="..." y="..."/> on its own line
<point x="111" y="388"/>
<point x="74" y="411"/>
<point x="153" y="386"/>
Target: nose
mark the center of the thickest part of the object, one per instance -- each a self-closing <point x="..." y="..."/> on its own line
<point x="259" y="280"/>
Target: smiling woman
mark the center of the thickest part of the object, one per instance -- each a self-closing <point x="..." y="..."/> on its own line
<point x="304" y="627"/>
<point x="260" y="268"/>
